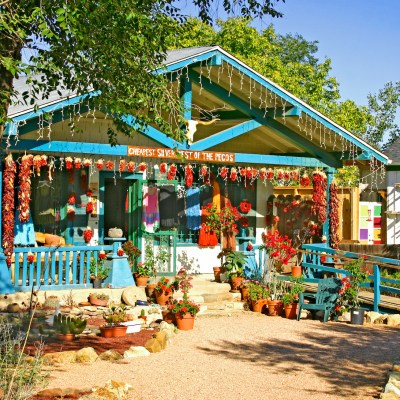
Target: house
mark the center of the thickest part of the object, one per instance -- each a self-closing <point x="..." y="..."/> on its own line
<point x="243" y="132"/>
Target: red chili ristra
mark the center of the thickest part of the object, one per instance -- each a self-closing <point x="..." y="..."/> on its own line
<point x="24" y="181"/>
<point x="333" y="216"/>
<point x="9" y="174"/>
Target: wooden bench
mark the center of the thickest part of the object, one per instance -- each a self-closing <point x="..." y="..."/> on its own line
<point x="323" y="300"/>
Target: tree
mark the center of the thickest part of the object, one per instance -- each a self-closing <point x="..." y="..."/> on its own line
<point x="383" y="107"/>
<point x="111" y="47"/>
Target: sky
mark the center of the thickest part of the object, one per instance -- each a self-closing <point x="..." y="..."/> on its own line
<point x="361" y="37"/>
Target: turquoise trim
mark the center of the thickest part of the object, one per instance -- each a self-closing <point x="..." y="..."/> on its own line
<point x="11" y="128"/>
<point x="299" y="161"/>
<point x="186" y="98"/>
<point x="153" y="133"/>
<point x="302" y="107"/>
<point x="225" y="135"/>
<point x="307" y="146"/>
<point x="214" y="57"/>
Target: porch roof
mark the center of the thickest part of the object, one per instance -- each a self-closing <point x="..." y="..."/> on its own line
<point x="257" y="120"/>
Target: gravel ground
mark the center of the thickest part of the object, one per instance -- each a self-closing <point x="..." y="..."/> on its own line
<point x="252" y="356"/>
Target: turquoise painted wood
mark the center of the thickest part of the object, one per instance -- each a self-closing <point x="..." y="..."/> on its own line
<point x="324" y="299"/>
<point x="152" y="133"/>
<point x="304" y="108"/>
<point x="11" y="128"/>
<point x="258" y="115"/>
<point x="65" y="267"/>
<point x="225" y="135"/>
<point x="314" y="268"/>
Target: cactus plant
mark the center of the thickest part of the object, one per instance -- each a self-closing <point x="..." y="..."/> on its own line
<point x="66" y="325"/>
<point x="51" y="302"/>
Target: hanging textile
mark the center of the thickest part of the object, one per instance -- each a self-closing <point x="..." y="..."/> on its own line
<point x="193" y="212"/>
<point x="168" y="207"/>
<point x="217" y="195"/>
<point x="150" y="213"/>
<point x="207" y="237"/>
<point x="180" y="204"/>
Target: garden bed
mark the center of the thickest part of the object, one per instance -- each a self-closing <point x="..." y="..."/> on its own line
<point x="100" y="344"/>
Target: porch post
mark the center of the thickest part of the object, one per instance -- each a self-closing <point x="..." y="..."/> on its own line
<point x="6" y="286"/>
<point x="325" y="227"/>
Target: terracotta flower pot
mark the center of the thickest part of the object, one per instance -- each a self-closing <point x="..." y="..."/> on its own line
<point x="106" y="331"/>
<point x="245" y="293"/>
<point x="141" y="280"/>
<point x="150" y="289"/>
<point x="66" y="337"/>
<point x="119" y="330"/>
<point x="291" y="311"/>
<point x="236" y="282"/>
<point x="259" y="305"/>
<point x="275" y="308"/>
<point x="162" y="298"/>
<point x="217" y="274"/>
<point x="168" y="317"/>
<point x="94" y="301"/>
<point x="296" y="271"/>
<point x="184" y="322"/>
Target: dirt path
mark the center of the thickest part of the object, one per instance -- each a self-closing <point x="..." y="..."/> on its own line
<point x="251" y="356"/>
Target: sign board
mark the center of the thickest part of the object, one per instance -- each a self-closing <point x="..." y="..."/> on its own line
<point x="183" y="155"/>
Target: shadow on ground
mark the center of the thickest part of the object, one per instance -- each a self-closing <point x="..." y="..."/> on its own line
<point x="347" y="357"/>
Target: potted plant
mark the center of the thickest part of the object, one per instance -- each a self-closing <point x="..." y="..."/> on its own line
<point x="234" y="263"/>
<point x="258" y="295"/>
<point x="348" y="299"/>
<point x="278" y="252"/>
<point x="132" y="252"/>
<point x="68" y="327"/>
<point x="114" y="317"/>
<point x="98" y="270"/>
<point x="185" y="310"/>
<point x="290" y="298"/>
<point x="98" y="299"/>
<point x="165" y="289"/>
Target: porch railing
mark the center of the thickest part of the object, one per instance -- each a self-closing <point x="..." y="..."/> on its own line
<point x="315" y="268"/>
<point x="64" y="267"/>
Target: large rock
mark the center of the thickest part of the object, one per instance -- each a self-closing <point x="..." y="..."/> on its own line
<point x="62" y="357"/>
<point x="161" y="337"/>
<point x="112" y="390"/>
<point x="60" y="392"/>
<point x="136" y="351"/>
<point x="86" y="355"/>
<point x="393" y="320"/>
<point x="168" y="329"/>
<point x="371" y="316"/>
<point x="13" y="308"/>
<point x="133" y="293"/>
<point x="153" y="346"/>
<point x="382" y="319"/>
<point x="110" y="355"/>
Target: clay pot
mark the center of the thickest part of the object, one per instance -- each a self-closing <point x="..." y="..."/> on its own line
<point x="291" y="311"/>
<point x="162" y="298"/>
<point x="259" y="305"/>
<point x="141" y="280"/>
<point x="106" y="331"/>
<point x="236" y="283"/>
<point x="66" y="337"/>
<point x="296" y="271"/>
<point x="168" y="317"/>
<point x="217" y="274"/>
<point x="275" y="308"/>
<point x="184" y="322"/>
<point x="245" y="293"/>
<point x="150" y="289"/>
<point x="94" y="301"/>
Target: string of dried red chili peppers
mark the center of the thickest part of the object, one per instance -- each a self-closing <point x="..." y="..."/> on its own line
<point x="333" y="216"/>
<point x="24" y="193"/>
<point x="10" y="171"/>
<point x="320" y="183"/>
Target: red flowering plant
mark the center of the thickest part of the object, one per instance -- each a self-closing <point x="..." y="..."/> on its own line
<point x="228" y="217"/>
<point x="349" y="292"/>
<point x="166" y="285"/>
<point x="278" y="252"/>
<point x="184" y="306"/>
<point x="97" y="268"/>
<point x="292" y="292"/>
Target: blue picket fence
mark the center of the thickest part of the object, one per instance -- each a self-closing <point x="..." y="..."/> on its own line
<point x="63" y="267"/>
